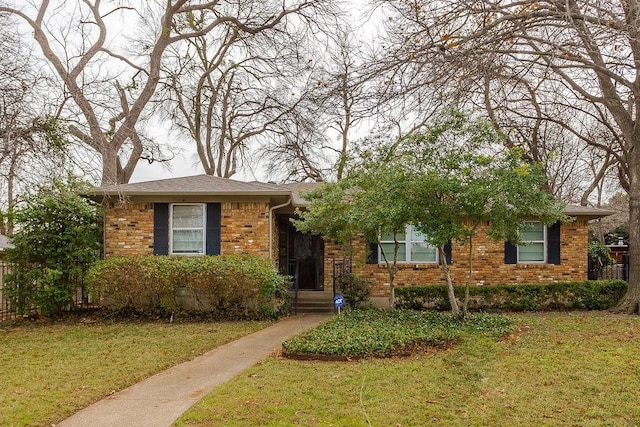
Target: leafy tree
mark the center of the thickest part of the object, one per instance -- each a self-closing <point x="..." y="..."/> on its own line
<point x="58" y="239"/>
<point x="446" y="181"/>
<point x="370" y="201"/>
<point x="464" y="178"/>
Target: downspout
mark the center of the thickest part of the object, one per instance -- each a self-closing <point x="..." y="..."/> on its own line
<point x="271" y="226"/>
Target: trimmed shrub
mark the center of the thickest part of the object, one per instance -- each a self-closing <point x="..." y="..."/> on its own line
<point x="587" y="295"/>
<point x="225" y="286"/>
<point x="355" y="290"/>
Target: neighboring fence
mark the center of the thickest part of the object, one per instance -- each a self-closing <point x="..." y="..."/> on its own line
<point x="5" y="311"/>
<point x="81" y="297"/>
<point x="610" y="272"/>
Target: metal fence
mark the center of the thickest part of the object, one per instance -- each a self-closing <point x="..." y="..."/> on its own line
<point x="619" y="271"/>
<point x="81" y="298"/>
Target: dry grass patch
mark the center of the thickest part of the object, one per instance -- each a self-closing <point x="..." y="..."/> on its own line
<point x="577" y="369"/>
<point x="50" y="371"/>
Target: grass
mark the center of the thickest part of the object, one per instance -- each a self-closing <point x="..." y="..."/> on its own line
<point x="578" y="368"/>
<point x="49" y="371"/>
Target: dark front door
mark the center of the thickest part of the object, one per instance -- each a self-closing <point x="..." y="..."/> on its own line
<point x="302" y="253"/>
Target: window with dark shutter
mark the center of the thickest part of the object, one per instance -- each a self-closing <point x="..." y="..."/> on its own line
<point x="372" y="255"/>
<point x="553" y="244"/>
<point x="214" y="225"/>
<point x="161" y="228"/>
<point x="510" y="253"/>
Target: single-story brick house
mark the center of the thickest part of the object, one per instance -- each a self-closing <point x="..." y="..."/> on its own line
<point x="209" y="215"/>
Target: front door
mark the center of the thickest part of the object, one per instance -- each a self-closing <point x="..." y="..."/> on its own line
<point x="302" y="253"/>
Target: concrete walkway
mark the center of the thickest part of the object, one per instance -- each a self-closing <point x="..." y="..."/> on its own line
<point x="162" y="399"/>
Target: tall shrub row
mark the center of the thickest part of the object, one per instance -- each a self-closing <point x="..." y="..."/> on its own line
<point x="225" y="287"/>
<point x="587" y="295"/>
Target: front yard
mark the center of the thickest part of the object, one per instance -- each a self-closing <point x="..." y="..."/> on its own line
<point x="578" y="368"/>
<point x="49" y="371"/>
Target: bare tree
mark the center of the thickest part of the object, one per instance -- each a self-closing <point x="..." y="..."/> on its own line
<point x="78" y="41"/>
<point x="228" y="89"/>
<point x="337" y="97"/>
<point x="32" y="140"/>
<point x="586" y="51"/>
<point x="341" y="92"/>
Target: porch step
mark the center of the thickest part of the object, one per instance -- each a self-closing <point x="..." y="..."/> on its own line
<point x="312" y="302"/>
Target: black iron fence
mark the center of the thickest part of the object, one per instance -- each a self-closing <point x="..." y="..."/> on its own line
<point x="12" y="308"/>
<point x="618" y="271"/>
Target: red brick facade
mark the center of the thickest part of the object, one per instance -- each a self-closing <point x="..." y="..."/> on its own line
<point x="245" y="229"/>
<point x="129" y="229"/>
<point x="488" y="264"/>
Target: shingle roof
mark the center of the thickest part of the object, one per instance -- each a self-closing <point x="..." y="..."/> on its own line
<point x="207" y="185"/>
<point x="193" y="185"/>
<point x="297" y="191"/>
<point x="587" y="212"/>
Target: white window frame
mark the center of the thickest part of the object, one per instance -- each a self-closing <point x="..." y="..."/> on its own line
<point x="544" y="242"/>
<point x="203" y="228"/>
<point x="407" y="244"/>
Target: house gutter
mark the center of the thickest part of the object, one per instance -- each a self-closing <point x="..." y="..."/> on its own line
<point x="271" y="225"/>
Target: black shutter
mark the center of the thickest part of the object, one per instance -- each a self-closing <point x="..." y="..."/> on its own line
<point x="372" y="255"/>
<point x="447" y="252"/>
<point x="510" y="253"/>
<point x="553" y="244"/>
<point x="161" y="228"/>
<point x="214" y="225"/>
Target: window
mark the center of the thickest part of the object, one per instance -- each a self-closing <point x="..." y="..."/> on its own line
<point x="534" y="239"/>
<point x="412" y="247"/>
<point x="187" y="232"/>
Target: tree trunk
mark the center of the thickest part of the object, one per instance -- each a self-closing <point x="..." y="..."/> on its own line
<point x="392" y="292"/>
<point x="465" y="304"/>
<point x="109" y="167"/>
<point x="455" y="310"/>
<point x="630" y="303"/>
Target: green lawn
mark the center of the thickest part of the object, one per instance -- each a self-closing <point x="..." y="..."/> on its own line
<point x="576" y="369"/>
<point x="49" y="371"/>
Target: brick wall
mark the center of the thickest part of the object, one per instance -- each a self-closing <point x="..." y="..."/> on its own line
<point x="245" y="228"/>
<point x="129" y="228"/>
<point x="488" y="264"/>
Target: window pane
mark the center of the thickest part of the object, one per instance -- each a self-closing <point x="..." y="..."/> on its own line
<point x="416" y="236"/>
<point x="188" y="216"/>
<point x="423" y="252"/>
<point x="531" y="252"/>
<point x="533" y="233"/>
<point x="400" y="237"/>
<point x="188" y="242"/>
<point x="388" y="251"/>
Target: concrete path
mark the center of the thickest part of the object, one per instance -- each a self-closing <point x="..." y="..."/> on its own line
<point x="162" y="399"/>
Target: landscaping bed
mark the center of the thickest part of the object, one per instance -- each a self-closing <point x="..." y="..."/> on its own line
<point x="370" y="333"/>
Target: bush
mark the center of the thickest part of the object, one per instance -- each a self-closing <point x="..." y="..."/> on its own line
<point x="355" y="290"/>
<point x="587" y="295"/>
<point x="225" y="286"/>
<point x="58" y="239"/>
<point x="599" y="259"/>
<point x="384" y="333"/>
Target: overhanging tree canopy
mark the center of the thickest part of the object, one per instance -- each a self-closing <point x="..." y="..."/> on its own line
<point x="444" y="181"/>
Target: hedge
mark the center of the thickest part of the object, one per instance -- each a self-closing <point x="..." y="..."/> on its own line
<point x="225" y="286"/>
<point x="586" y="295"/>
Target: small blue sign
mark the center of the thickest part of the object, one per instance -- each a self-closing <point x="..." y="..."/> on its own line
<point x="338" y="301"/>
